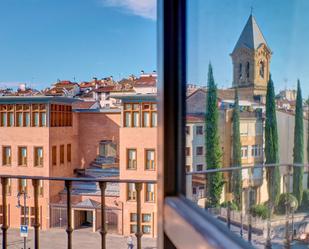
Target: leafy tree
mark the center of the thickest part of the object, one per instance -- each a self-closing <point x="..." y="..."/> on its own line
<point x="271" y="145"/>
<point x="236" y="182"/>
<point x="298" y="151"/>
<point x="213" y="150"/>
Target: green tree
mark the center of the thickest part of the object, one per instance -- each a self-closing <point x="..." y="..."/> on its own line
<point x="213" y="149"/>
<point x="236" y="182"/>
<point x="298" y="151"/>
<point x="271" y="145"/>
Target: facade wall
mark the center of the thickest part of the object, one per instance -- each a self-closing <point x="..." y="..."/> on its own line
<point x="139" y="139"/>
<point x="93" y="128"/>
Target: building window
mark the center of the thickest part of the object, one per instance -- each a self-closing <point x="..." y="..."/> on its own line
<point x="146" y="218"/>
<point x="133" y="228"/>
<point x="150" y="159"/>
<point x="131" y="159"/>
<point x="60" y="116"/>
<point x="248" y="69"/>
<point x="262" y="69"/>
<point x="146" y="229"/>
<point x="149" y="113"/>
<point x="22" y="156"/>
<point x="240" y="71"/>
<point x="256" y="150"/>
<point x="38" y="156"/>
<point x="133" y="217"/>
<point x="54" y="155"/>
<point x="199" y="167"/>
<point x="3" y="115"/>
<point x="22" y="185"/>
<point x="11" y="119"/>
<point x="26" y="119"/>
<point x="131" y="115"/>
<point x="19" y="119"/>
<point x="199" y="130"/>
<point x="6" y="155"/>
<point x="244" y="151"/>
<point x="150" y="192"/>
<point x="41" y="188"/>
<point x="199" y="150"/>
<point x="188" y="151"/>
<point x="187" y="130"/>
<point x="131" y="192"/>
<point x="62" y="154"/>
<point x="69" y="153"/>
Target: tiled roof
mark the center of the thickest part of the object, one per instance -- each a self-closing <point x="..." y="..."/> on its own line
<point x="83" y="104"/>
<point x="105" y="89"/>
<point x="195" y="118"/>
<point x="88" y="203"/>
<point x="251" y="36"/>
<point x="145" y="81"/>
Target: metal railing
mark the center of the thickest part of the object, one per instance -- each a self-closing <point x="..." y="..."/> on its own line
<point x="245" y="215"/>
<point x="68" y="186"/>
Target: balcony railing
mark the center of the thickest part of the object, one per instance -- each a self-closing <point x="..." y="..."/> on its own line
<point x="68" y="186"/>
<point x="288" y="228"/>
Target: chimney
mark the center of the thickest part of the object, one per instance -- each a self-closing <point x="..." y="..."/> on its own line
<point x="95" y="83"/>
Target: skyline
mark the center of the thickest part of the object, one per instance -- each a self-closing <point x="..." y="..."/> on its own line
<point x="215" y="26"/>
<point x="76" y="40"/>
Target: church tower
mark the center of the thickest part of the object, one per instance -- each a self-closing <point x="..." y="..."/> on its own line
<point x="251" y="59"/>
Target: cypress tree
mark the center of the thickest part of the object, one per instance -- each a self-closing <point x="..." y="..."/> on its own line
<point x="271" y="145"/>
<point x="236" y="174"/>
<point x="213" y="149"/>
<point x="298" y="151"/>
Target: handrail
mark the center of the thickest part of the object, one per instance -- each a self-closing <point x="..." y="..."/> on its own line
<point x="77" y="179"/>
<point x="258" y="166"/>
<point x="68" y="186"/>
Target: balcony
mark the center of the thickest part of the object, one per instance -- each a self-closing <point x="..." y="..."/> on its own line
<point x="33" y="210"/>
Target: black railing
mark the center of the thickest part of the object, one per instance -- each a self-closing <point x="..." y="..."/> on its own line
<point x="68" y="185"/>
<point x="250" y="182"/>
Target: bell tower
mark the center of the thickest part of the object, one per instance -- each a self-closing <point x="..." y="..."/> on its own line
<point x="251" y="59"/>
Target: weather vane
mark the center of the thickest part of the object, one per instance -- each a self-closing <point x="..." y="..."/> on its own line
<point x="251" y="10"/>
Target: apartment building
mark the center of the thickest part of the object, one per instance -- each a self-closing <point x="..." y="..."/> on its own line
<point x="137" y="154"/>
<point x="38" y="138"/>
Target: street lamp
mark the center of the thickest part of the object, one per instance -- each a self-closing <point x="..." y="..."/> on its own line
<point x="24" y="194"/>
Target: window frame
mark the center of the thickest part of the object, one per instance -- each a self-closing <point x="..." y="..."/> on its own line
<point x="179" y="215"/>
<point x="36" y="161"/>
<point x="146" y="159"/>
<point x="4" y="158"/>
<point x="127" y="159"/>
<point x="20" y="161"/>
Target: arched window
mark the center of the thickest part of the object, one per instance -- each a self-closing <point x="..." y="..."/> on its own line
<point x="240" y="71"/>
<point x="248" y="69"/>
<point x="262" y="69"/>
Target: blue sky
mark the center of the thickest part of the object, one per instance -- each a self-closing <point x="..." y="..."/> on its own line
<point x="45" y="40"/>
<point x="215" y="26"/>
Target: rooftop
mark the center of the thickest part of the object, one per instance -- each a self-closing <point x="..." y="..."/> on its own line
<point x="251" y="37"/>
<point x="36" y="99"/>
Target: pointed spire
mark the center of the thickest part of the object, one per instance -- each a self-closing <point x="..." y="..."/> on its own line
<point x="251" y="36"/>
